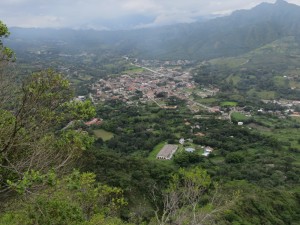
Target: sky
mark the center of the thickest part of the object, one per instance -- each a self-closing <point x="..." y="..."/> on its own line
<point x="115" y="14"/>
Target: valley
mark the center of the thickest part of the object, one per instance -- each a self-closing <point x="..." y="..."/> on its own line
<point x="192" y="123"/>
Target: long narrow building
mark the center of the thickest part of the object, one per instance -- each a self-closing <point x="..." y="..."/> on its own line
<point x="167" y="152"/>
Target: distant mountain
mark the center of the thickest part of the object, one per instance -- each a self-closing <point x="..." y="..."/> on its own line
<point x="236" y="34"/>
<point x="232" y="35"/>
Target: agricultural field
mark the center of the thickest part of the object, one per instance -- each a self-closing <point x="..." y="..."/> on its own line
<point x="229" y="104"/>
<point x="236" y="116"/>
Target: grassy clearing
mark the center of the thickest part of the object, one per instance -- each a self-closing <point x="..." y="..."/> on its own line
<point x="134" y="70"/>
<point x="234" y="78"/>
<point x="209" y="101"/>
<point x="105" y="135"/>
<point x="266" y="95"/>
<point x="296" y="119"/>
<point x="85" y="77"/>
<point x="230" y="104"/>
<point x="236" y="116"/>
<point x="289" y="135"/>
<point x="259" y="127"/>
<point x="231" y="62"/>
<point x="279" y="81"/>
<point x="294" y="84"/>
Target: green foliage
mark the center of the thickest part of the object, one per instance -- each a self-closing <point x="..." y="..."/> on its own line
<point x="234" y="157"/>
<point x="259" y="206"/>
<point x="3" y="30"/>
<point x="75" y="199"/>
<point x="74" y="140"/>
<point x="184" y="159"/>
<point x="6" y="53"/>
<point x="80" y="110"/>
<point x="34" y="147"/>
<point x="54" y="211"/>
<point x="30" y="139"/>
<point x="31" y="178"/>
<point x="99" y="219"/>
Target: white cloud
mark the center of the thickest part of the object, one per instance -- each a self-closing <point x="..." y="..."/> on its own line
<point x="76" y="13"/>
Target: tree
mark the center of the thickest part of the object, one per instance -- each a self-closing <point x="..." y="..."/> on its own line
<point x="31" y="117"/>
<point x="6" y="53"/>
<point x="6" y="75"/>
<point x="73" y="199"/>
<point x="29" y="136"/>
<point x="187" y="199"/>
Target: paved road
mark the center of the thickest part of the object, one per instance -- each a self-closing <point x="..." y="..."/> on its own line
<point x="146" y="68"/>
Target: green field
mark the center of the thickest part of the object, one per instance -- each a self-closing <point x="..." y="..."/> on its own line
<point x="266" y="94"/>
<point x="134" y="70"/>
<point x="209" y="100"/>
<point x="230" y="104"/>
<point x="234" y="78"/>
<point x="236" y="116"/>
<point x="105" y="135"/>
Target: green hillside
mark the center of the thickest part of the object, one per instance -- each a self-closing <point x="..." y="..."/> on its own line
<point x="268" y="72"/>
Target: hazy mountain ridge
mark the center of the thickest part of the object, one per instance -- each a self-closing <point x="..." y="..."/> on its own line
<point x="239" y="33"/>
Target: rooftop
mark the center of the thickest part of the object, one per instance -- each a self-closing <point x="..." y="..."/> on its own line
<point x="167" y="152"/>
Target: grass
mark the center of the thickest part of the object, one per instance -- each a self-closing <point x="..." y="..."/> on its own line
<point x="231" y="62"/>
<point x="85" y="77"/>
<point x="296" y="119"/>
<point x="239" y="117"/>
<point x="155" y="151"/>
<point x="208" y="101"/>
<point x="234" y="78"/>
<point x="266" y="94"/>
<point x="259" y="127"/>
<point x="288" y="135"/>
<point x="279" y="81"/>
<point x="230" y="104"/>
<point x="105" y="135"/>
<point x="134" y="70"/>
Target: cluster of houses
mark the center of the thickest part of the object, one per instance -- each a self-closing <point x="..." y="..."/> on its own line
<point x="144" y="86"/>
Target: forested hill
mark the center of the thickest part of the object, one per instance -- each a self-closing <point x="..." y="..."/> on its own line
<point x="232" y="35"/>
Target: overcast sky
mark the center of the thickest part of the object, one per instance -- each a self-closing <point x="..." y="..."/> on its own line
<point x="107" y="14"/>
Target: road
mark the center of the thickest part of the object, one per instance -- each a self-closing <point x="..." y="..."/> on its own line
<point x="146" y="68"/>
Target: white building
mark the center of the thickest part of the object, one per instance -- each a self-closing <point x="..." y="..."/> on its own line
<point x="181" y="141"/>
<point x="167" y="152"/>
<point x="207" y="151"/>
<point x="189" y="149"/>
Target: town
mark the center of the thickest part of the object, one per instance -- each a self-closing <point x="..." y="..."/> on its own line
<point x="150" y="85"/>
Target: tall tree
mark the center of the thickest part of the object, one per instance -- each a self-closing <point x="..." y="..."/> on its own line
<point x="31" y="139"/>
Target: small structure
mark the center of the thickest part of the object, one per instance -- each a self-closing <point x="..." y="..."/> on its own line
<point x="189" y="149"/>
<point x="95" y="121"/>
<point x="240" y="123"/>
<point x="181" y="141"/>
<point x="167" y="152"/>
<point x="207" y="151"/>
<point x="199" y="134"/>
<point x="80" y="98"/>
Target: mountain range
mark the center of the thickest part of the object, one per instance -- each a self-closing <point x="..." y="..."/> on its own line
<point x="241" y="32"/>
